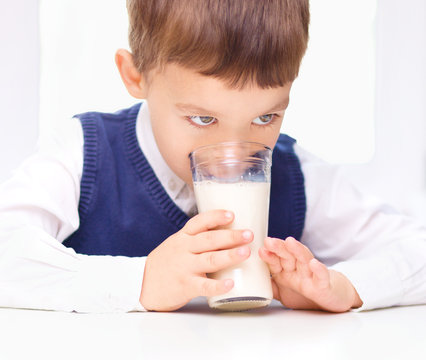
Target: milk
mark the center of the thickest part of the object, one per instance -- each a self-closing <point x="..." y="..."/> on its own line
<point x="249" y="201"/>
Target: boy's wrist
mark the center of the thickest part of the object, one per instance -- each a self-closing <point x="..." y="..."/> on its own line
<point x="356" y="301"/>
<point x="142" y="298"/>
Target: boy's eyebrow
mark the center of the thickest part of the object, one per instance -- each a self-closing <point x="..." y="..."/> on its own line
<point x="194" y="109"/>
<point x="280" y="106"/>
<point x="199" y="110"/>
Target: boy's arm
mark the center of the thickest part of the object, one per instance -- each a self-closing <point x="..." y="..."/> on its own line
<point x="38" y="210"/>
<point x="380" y="251"/>
<point x="38" y="272"/>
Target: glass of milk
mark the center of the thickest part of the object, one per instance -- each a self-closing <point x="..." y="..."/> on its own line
<point x="236" y="176"/>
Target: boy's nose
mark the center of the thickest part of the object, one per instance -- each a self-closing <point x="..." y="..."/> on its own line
<point x="237" y="136"/>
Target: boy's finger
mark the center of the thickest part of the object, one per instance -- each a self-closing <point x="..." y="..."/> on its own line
<point x="219" y="240"/>
<point x="321" y="275"/>
<point x="213" y="261"/>
<point x="210" y="287"/>
<point x="303" y="269"/>
<point x="278" y="246"/>
<point x="271" y="259"/>
<point x="300" y="251"/>
<point x="207" y="221"/>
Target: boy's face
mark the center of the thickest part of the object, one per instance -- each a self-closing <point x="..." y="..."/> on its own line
<point x="189" y="110"/>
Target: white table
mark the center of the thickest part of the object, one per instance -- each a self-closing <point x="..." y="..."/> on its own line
<point x="196" y="332"/>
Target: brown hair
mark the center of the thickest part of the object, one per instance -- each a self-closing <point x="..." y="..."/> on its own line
<point x="238" y="41"/>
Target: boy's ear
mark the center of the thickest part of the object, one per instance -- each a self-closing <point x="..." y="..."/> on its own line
<point x="132" y="78"/>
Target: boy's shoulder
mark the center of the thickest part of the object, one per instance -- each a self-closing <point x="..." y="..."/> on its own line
<point x="125" y="113"/>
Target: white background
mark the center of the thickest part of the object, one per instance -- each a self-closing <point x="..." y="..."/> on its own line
<point x="359" y="101"/>
<point x="19" y="81"/>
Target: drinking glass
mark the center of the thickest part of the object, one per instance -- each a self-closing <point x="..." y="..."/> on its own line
<point x="236" y="176"/>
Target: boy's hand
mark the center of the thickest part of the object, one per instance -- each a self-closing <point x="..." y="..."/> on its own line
<point x="175" y="271"/>
<point x="300" y="281"/>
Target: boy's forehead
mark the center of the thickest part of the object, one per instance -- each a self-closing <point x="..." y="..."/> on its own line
<point x="187" y="88"/>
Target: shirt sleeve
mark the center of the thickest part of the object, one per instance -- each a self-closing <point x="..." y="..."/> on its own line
<point x="382" y="252"/>
<point x="38" y="211"/>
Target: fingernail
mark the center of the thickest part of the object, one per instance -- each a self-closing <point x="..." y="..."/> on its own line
<point x="228" y="215"/>
<point x="243" y="251"/>
<point x="247" y="235"/>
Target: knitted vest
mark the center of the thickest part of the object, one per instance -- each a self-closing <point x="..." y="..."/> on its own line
<point x="124" y="210"/>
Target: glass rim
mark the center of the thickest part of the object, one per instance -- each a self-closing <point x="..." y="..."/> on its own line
<point x="228" y="143"/>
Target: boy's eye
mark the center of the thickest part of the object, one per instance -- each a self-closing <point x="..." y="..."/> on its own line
<point x="264" y="119"/>
<point x="202" y="120"/>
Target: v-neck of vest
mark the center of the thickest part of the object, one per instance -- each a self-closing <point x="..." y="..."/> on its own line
<point x="146" y="173"/>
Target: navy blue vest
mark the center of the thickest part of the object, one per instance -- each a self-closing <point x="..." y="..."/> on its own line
<point x="124" y="210"/>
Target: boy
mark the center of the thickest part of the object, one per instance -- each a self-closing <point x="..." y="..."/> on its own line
<point x="104" y="218"/>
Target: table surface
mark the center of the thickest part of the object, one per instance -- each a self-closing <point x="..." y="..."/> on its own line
<point x="197" y="332"/>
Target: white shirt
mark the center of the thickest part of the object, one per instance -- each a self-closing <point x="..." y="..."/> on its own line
<point x="383" y="253"/>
